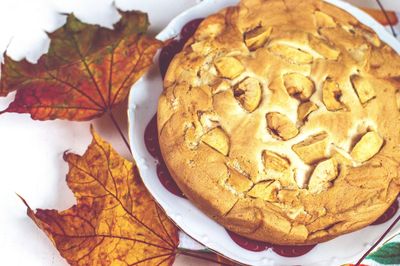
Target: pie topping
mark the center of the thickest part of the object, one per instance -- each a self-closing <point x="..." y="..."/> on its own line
<point x="280" y="119"/>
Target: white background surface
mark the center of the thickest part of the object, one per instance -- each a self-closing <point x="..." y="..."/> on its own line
<point x="31" y="152"/>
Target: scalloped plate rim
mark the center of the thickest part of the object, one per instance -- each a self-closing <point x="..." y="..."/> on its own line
<point x="142" y="109"/>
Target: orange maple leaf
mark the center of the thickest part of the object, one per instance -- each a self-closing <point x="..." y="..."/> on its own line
<point x="87" y="70"/>
<point x="115" y="220"/>
<point x="389" y="19"/>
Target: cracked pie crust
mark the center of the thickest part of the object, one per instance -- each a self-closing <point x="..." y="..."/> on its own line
<point x="280" y="120"/>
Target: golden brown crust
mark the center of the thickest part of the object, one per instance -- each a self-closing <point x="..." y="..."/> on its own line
<point x="280" y="120"/>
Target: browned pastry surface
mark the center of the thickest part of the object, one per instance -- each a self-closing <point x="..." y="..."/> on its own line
<point x="280" y="120"/>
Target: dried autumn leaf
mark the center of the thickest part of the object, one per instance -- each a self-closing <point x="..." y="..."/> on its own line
<point x="87" y="70"/>
<point x="389" y="18"/>
<point x="115" y="220"/>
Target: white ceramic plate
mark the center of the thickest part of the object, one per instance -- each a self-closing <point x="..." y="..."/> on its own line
<point x="142" y="107"/>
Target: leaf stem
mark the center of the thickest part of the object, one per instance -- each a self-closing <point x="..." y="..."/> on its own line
<point x="110" y="114"/>
<point x="197" y="255"/>
<point x="387" y="17"/>
<point x="379" y="240"/>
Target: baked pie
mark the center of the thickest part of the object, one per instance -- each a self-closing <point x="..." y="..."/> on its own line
<point x="280" y="120"/>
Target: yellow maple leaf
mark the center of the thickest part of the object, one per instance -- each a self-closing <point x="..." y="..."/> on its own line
<point x="115" y="220"/>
